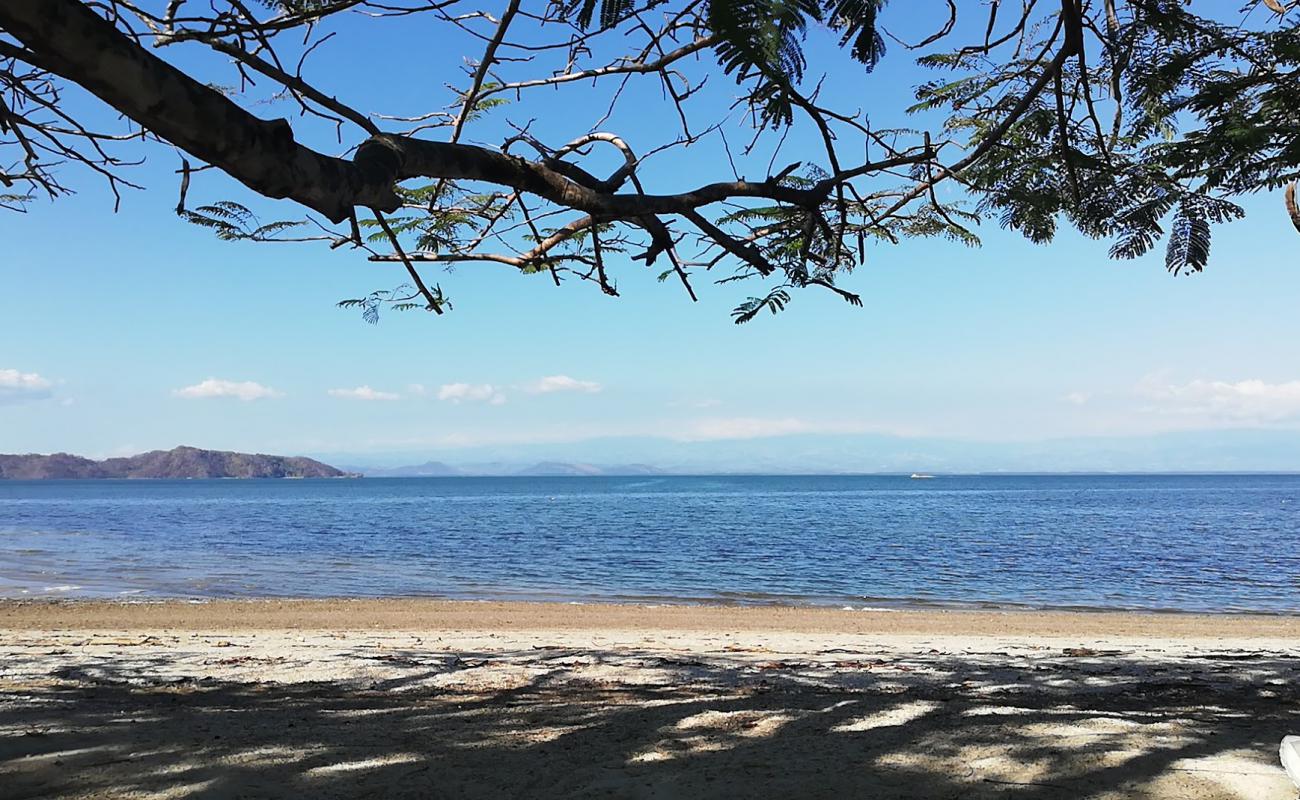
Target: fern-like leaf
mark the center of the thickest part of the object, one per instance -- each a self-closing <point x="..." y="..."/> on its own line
<point x="776" y="301"/>
<point x="857" y="20"/>
<point x="1189" y="242"/>
<point x="611" y="11"/>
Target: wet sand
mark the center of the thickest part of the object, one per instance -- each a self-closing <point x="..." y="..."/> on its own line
<point x="422" y="614"/>
<point x="424" y="698"/>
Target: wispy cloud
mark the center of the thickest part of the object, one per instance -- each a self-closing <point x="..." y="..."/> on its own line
<point x="701" y="403"/>
<point x="1077" y="398"/>
<point x="566" y="433"/>
<point x="18" y="387"/>
<point x="215" y="387"/>
<point x="561" y="383"/>
<point x="471" y="392"/>
<point x="1245" y="402"/>
<point x="719" y="428"/>
<point x="364" y="393"/>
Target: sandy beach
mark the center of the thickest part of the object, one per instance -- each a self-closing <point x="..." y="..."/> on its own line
<point x="424" y="698"/>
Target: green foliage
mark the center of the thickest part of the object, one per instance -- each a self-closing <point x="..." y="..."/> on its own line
<point x="1202" y="112"/>
<point x="401" y="298"/>
<point x="1144" y="139"/>
<point x="233" y="222"/>
<point x="15" y="202"/>
<point x="1189" y="243"/>
<point x="453" y="214"/>
<point x="775" y="301"/>
<point x="611" y="11"/>
<point x="856" y="19"/>
<point x="482" y="105"/>
<point x="760" y="42"/>
<point x="931" y="221"/>
<point x="298" y="6"/>
<point x="1197" y="112"/>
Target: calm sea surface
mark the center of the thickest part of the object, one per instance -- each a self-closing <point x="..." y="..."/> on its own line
<point x="1197" y="543"/>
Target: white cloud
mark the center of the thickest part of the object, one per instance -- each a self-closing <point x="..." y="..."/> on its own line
<point x="716" y="428"/>
<point x="417" y="389"/>
<point x="699" y="404"/>
<point x="1078" y="398"/>
<point x="364" y="393"/>
<point x="471" y="392"/>
<point x="214" y="387"/>
<point x="17" y="387"/>
<point x="1248" y="401"/>
<point x="562" y="383"/>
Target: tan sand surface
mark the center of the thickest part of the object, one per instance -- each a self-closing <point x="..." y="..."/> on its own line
<point x="485" y="700"/>
<point x="416" y="614"/>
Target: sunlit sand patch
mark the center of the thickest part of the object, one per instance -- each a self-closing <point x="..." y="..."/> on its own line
<point x="645" y="675"/>
<point x="360" y="712"/>
<point x="1131" y="719"/>
<point x="1006" y="768"/>
<point x="1103" y="726"/>
<point x="539" y="735"/>
<point x="979" y="763"/>
<point x="1002" y="711"/>
<point x="496" y="676"/>
<point x="29" y="729"/>
<point x="675" y="701"/>
<point x="183" y="790"/>
<point x="173" y="768"/>
<point x="266" y="755"/>
<point x="137" y="719"/>
<point x="735" y="723"/>
<point x="711" y="732"/>
<point x="1240" y="774"/>
<point x="60" y="755"/>
<point x="898" y="715"/>
<point x="364" y="764"/>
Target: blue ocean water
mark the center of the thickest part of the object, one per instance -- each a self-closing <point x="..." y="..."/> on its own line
<point x="1192" y="543"/>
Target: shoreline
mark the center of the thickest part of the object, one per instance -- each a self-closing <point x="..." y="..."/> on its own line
<point x="73" y="593"/>
<point x="395" y="614"/>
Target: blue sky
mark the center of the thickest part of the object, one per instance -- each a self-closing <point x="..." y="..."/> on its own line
<point x="131" y="331"/>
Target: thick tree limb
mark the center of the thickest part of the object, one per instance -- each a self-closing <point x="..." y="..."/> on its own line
<point x="74" y="42"/>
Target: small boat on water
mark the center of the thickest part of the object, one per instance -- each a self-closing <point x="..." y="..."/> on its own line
<point x="920" y="476"/>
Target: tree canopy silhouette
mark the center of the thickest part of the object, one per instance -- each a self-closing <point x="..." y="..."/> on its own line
<point x="1135" y="121"/>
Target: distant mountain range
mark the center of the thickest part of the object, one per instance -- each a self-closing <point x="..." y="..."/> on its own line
<point x="1233" y="450"/>
<point x="1236" y="450"/>
<point x="179" y="462"/>
<point x="432" y="469"/>
<point x="429" y="469"/>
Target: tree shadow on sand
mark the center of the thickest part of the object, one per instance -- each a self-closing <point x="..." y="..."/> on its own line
<point x="715" y="728"/>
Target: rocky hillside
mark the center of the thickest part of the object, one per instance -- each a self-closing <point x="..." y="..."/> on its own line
<point x="179" y="462"/>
